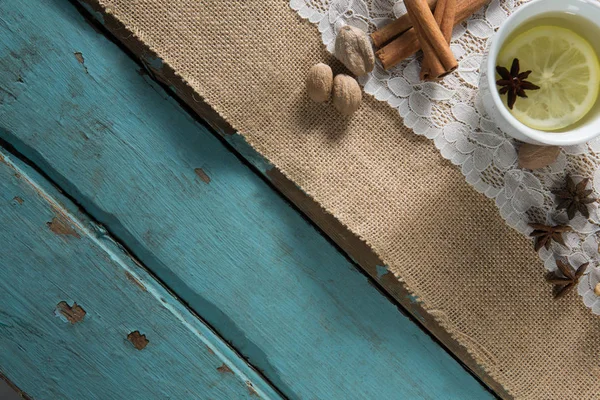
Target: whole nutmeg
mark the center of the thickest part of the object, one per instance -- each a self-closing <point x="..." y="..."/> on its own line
<point x="346" y="94"/>
<point x="319" y="82"/>
<point x="532" y="156"/>
<point x="353" y="49"/>
<point x="597" y="289"/>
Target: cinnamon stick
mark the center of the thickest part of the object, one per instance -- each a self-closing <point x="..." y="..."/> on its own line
<point x="395" y="28"/>
<point x="432" y="40"/>
<point x="428" y="51"/>
<point x="445" y="11"/>
<point x="448" y="17"/>
<point x="408" y="44"/>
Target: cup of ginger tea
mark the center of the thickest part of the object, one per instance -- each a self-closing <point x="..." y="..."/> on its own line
<point x="540" y="79"/>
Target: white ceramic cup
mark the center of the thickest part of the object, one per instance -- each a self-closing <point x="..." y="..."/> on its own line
<point x="581" y="133"/>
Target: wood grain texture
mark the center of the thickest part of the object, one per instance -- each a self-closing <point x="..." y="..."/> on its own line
<point x="70" y="298"/>
<point x="351" y="245"/>
<point x="231" y="248"/>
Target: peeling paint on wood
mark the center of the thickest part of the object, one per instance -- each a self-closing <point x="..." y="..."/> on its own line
<point x="72" y="314"/>
<point x="59" y="226"/>
<point x="81" y="60"/>
<point x="251" y="389"/>
<point x="224" y="369"/>
<point x="136" y="282"/>
<point x="18" y="199"/>
<point x="79" y="57"/>
<point x="202" y="175"/>
<point x="138" y="340"/>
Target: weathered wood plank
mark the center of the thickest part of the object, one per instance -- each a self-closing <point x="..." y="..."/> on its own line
<point x="351" y="245"/>
<point x="79" y="319"/>
<point x="227" y="245"/>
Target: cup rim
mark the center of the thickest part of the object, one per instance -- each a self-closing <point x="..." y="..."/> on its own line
<point x="549" y="138"/>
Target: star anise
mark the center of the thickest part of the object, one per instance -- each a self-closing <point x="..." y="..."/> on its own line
<point x="568" y="280"/>
<point x="575" y="198"/>
<point x="544" y="235"/>
<point x="514" y="83"/>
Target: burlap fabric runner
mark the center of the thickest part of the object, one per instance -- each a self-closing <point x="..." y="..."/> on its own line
<point x="480" y="279"/>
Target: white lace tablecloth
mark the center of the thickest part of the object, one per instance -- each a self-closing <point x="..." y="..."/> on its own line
<point x="452" y="115"/>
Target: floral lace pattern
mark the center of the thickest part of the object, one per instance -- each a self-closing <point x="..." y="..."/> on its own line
<point x="452" y="115"/>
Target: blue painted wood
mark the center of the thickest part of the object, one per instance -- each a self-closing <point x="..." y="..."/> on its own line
<point x="52" y="258"/>
<point x="213" y="231"/>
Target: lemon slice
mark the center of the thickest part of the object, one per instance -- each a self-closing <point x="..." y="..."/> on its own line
<point x="566" y="68"/>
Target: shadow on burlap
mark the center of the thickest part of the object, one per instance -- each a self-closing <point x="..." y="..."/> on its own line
<point x="480" y="279"/>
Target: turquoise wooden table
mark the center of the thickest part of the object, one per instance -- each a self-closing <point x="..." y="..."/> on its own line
<point x="148" y="256"/>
